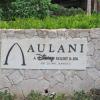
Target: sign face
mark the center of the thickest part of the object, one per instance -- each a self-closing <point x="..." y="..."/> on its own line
<point x="38" y="53"/>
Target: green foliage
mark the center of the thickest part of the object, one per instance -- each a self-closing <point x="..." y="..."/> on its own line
<point x="12" y="9"/>
<point x="38" y="96"/>
<point x="60" y="97"/>
<point x="58" y="10"/>
<point x="25" y="8"/>
<point x="1" y="12"/>
<point x="6" y="96"/>
<point x="78" y="21"/>
<point x="81" y="96"/>
<point x="74" y="11"/>
<point x="30" y="8"/>
<point x="5" y="6"/>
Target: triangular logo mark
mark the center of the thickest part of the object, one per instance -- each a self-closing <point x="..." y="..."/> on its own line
<point x="23" y="57"/>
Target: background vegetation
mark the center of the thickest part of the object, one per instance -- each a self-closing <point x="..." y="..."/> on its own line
<point x="28" y="14"/>
<point x="33" y="95"/>
<point x="78" y="21"/>
<point x="6" y="96"/>
<point x="77" y="96"/>
<point x="11" y="9"/>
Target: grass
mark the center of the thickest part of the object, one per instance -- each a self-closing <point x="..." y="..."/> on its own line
<point x="6" y="96"/>
<point x="68" y="22"/>
<point x="77" y="96"/>
<point x="34" y="95"/>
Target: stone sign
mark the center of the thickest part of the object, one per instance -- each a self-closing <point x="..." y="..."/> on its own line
<point x="40" y="53"/>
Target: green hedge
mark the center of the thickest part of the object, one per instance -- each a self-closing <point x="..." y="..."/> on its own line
<point x="24" y="8"/>
<point x="12" y="9"/>
<point x="78" y="21"/>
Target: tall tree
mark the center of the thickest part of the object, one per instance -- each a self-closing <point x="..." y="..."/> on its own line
<point x="95" y="5"/>
<point x="89" y="6"/>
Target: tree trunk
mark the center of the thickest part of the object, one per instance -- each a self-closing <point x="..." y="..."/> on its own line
<point x="95" y="5"/>
<point x="89" y="7"/>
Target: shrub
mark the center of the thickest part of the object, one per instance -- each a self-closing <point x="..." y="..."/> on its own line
<point x="58" y="10"/>
<point x="6" y="96"/>
<point x="30" y="8"/>
<point x="74" y="11"/>
<point x="38" y="96"/>
<point x="25" y="8"/>
<point x="34" y="9"/>
<point x="81" y="96"/>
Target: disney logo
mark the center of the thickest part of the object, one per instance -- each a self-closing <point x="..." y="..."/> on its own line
<point x="45" y="57"/>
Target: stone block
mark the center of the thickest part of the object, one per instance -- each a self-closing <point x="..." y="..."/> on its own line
<point x="90" y="62"/>
<point x="52" y="33"/>
<point x="10" y="33"/>
<point x="33" y="84"/>
<point x="29" y="33"/>
<point x="81" y="74"/>
<point x="93" y="73"/>
<point x="15" y="77"/>
<point x="2" y="31"/>
<point x="97" y="44"/>
<point x="3" y="35"/>
<point x="7" y="72"/>
<point x="74" y="33"/>
<point x="32" y="74"/>
<point x="42" y="33"/>
<point x="58" y="88"/>
<point x="61" y="32"/>
<point x="84" y="34"/>
<point x="59" y="77"/>
<point x="77" y="83"/>
<point x="4" y="82"/>
<point x="52" y="82"/>
<point x="13" y="33"/>
<point x="95" y="33"/>
<point x="82" y="81"/>
<point x="91" y="48"/>
<point x="97" y="59"/>
<point x="97" y="83"/>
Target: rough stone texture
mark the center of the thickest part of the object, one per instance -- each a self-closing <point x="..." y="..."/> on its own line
<point x="21" y="82"/>
<point x="15" y="77"/>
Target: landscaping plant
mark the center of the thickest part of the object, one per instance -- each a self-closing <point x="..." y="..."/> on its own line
<point x="78" y="21"/>
<point x="81" y="96"/>
<point x="24" y="8"/>
<point x="38" y="96"/>
<point x="6" y="96"/>
<point x="12" y="9"/>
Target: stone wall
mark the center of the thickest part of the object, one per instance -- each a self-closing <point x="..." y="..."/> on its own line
<point x="21" y="82"/>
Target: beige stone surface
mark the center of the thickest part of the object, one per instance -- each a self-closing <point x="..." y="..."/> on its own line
<point x="22" y="82"/>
